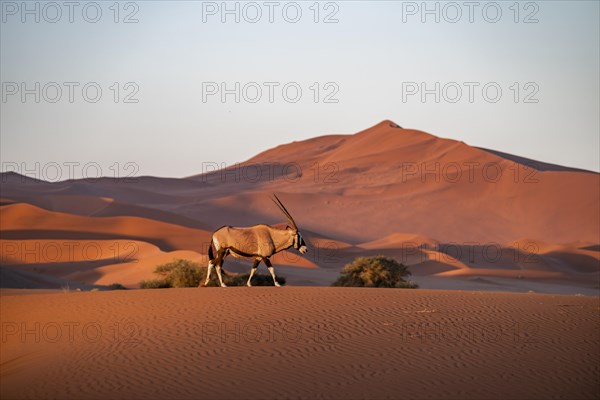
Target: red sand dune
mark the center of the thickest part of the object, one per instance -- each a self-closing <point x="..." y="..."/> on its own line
<point x="23" y="221"/>
<point x="92" y="250"/>
<point x="88" y="262"/>
<point x="399" y="240"/>
<point x="351" y="195"/>
<point x="532" y="229"/>
<point x="93" y="206"/>
<point x="384" y="180"/>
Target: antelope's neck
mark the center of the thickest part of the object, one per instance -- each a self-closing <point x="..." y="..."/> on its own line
<point x="283" y="240"/>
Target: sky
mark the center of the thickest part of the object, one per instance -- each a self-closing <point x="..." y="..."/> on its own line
<point x="168" y="88"/>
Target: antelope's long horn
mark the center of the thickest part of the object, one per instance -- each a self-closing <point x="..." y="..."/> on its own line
<point x="284" y="210"/>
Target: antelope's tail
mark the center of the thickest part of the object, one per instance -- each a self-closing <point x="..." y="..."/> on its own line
<point x="211" y="254"/>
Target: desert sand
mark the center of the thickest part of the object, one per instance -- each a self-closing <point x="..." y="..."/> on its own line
<point x="477" y="221"/>
<point x="262" y="343"/>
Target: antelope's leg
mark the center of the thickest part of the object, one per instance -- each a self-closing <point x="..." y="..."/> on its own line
<point x="218" y="265"/>
<point x="218" y="269"/>
<point x="271" y="270"/>
<point x="252" y="271"/>
<point x="210" y="267"/>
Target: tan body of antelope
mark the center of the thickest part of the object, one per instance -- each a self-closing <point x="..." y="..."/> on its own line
<point x="258" y="242"/>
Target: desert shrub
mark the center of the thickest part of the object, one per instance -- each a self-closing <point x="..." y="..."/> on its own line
<point x="379" y="271"/>
<point x="116" y="286"/>
<point x="181" y="273"/>
<point x="184" y="273"/>
<point x="154" y="284"/>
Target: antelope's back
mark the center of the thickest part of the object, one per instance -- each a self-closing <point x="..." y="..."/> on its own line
<point x="254" y="240"/>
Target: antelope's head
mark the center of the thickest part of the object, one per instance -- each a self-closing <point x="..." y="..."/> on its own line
<point x="299" y="243"/>
<point x="298" y="240"/>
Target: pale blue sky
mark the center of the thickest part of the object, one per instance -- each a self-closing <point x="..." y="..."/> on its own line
<point x="372" y="54"/>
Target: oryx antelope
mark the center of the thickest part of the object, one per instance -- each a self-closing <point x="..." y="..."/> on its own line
<point x="258" y="242"/>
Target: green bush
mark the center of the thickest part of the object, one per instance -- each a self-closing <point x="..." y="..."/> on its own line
<point x="181" y="273"/>
<point x="379" y="271"/>
<point x="184" y="273"/>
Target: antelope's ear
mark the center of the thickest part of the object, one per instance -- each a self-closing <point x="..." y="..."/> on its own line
<point x="289" y="228"/>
